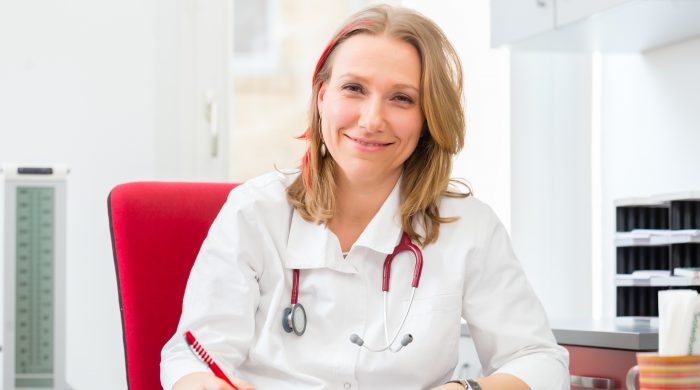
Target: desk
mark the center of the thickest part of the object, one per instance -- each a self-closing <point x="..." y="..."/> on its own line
<point x="604" y="350"/>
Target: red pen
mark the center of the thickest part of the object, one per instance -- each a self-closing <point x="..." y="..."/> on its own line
<point x="199" y="350"/>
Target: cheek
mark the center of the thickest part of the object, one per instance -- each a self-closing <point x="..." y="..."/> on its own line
<point x="335" y="119"/>
<point x="341" y="116"/>
<point x="410" y="127"/>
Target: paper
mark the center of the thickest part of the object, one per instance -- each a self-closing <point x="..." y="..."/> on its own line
<point x="650" y="273"/>
<point x="691" y="272"/>
<point x="646" y="233"/>
<point x="679" y="322"/>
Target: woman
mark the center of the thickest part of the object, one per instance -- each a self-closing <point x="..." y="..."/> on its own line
<point x="385" y="122"/>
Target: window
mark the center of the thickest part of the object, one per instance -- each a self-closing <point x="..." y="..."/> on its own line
<point x="254" y="40"/>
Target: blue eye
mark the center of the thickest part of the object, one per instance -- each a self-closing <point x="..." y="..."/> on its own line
<point x="353" y="88"/>
<point x="403" y="98"/>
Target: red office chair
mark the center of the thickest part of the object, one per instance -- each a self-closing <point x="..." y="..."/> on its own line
<point x="157" y="229"/>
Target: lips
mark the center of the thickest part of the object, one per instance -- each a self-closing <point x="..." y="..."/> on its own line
<point x="369" y="143"/>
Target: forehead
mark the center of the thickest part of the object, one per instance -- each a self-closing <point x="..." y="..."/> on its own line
<point x="377" y="56"/>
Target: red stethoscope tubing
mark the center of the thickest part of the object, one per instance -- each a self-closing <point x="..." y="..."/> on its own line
<point x="405" y="244"/>
<point x="295" y="286"/>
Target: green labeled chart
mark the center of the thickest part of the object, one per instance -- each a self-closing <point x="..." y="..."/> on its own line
<point x="34" y="287"/>
<point x="33" y="305"/>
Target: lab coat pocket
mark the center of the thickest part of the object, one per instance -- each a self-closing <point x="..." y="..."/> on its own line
<point x="434" y="323"/>
<point x="436" y="318"/>
<point x="443" y="303"/>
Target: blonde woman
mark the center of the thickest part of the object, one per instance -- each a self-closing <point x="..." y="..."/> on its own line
<point x="288" y="289"/>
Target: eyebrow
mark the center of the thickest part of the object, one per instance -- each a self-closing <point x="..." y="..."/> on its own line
<point x="351" y="75"/>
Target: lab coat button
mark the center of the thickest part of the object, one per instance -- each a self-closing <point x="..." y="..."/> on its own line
<point x="347" y="385"/>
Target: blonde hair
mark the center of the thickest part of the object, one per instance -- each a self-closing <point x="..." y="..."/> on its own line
<point x="426" y="173"/>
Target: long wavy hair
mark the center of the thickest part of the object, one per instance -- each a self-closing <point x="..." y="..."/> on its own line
<point x="426" y="173"/>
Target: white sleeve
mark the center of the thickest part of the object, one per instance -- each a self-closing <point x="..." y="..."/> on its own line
<point x="221" y="297"/>
<point x="506" y="320"/>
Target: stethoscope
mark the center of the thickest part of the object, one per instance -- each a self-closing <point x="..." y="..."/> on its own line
<point x="294" y="316"/>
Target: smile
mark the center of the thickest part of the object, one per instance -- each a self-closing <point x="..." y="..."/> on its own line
<point x="367" y="144"/>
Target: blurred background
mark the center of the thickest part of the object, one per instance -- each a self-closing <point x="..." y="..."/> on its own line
<point x="217" y="90"/>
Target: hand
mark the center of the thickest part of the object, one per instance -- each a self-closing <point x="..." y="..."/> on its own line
<point x="209" y="381"/>
<point x="449" y="386"/>
<point x="493" y="381"/>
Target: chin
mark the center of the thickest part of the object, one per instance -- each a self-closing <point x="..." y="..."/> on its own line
<point x="369" y="174"/>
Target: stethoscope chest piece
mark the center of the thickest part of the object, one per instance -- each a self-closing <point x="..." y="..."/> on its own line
<point x="294" y="315"/>
<point x="294" y="319"/>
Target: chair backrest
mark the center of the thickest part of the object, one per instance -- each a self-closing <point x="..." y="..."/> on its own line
<point x="157" y="229"/>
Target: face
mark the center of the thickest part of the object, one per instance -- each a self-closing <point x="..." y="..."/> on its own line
<point x="370" y="108"/>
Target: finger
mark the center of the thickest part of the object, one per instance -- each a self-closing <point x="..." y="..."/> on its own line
<point x="241" y="384"/>
<point x="214" y="383"/>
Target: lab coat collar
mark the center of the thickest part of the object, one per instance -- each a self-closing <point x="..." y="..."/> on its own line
<point x="311" y="245"/>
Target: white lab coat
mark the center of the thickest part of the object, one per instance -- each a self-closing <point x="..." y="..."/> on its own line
<point x="242" y="280"/>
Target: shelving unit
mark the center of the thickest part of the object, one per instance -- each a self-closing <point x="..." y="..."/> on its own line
<point x="654" y="236"/>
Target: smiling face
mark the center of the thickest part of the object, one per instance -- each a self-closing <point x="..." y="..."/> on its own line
<point x="370" y="108"/>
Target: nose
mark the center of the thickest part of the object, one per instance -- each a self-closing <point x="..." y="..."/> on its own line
<point x="372" y="115"/>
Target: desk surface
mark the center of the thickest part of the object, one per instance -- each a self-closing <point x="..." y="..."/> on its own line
<point x="629" y="333"/>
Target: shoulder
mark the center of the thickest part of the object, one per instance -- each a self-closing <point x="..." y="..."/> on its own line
<point x="474" y="220"/>
<point x="267" y="193"/>
<point x="467" y="209"/>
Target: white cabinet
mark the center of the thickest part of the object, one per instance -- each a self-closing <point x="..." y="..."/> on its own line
<point x="584" y="25"/>
<point x="569" y="11"/>
<point x="468" y="365"/>
<point x="514" y="20"/>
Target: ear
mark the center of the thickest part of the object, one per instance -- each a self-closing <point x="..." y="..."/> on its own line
<point x="321" y="95"/>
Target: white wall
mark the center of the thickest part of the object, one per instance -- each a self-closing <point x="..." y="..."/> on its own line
<point x="77" y="84"/>
<point x="551" y="189"/>
<point x="650" y="133"/>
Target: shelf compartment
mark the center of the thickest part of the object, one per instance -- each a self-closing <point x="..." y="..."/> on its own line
<point x="685" y="255"/>
<point x="629" y="218"/>
<point x="685" y="214"/>
<point x="641" y="301"/>
<point x="634" y="258"/>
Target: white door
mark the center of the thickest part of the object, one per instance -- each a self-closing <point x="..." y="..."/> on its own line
<point x="193" y="94"/>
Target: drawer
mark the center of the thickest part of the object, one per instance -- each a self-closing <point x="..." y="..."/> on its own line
<point x="606" y="364"/>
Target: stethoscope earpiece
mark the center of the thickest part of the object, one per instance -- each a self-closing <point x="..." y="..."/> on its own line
<point x="355" y="339"/>
<point x="405" y="340"/>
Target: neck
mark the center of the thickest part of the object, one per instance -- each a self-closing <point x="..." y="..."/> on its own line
<point x="356" y="204"/>
<point x="361" y="200"/>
